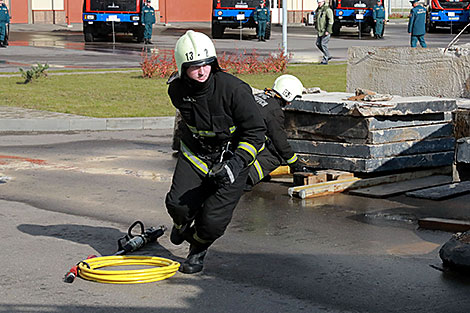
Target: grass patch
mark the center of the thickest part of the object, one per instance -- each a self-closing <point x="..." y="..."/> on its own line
<point x="130" y="95"/>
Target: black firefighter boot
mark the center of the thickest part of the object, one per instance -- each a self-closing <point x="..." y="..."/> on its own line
<point x="194" y="263"/>
<point x="178" y="234"/>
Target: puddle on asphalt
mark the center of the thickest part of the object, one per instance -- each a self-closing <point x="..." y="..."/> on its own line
<point x="380" y="218"/>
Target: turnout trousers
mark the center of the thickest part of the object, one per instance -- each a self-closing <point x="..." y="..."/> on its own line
<point x="265" y="163"/>
<point x="194" y="197"/>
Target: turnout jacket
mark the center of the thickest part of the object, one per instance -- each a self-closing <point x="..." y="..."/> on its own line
<point x="215" y="112"/>
<point x="271" y="110"/>
<point x="4" y="14"/>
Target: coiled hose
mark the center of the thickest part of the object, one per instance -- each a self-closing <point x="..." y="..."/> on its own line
<point x="160" y="269"/>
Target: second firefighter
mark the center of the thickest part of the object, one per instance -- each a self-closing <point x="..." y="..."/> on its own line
<point x="277" y="150"/>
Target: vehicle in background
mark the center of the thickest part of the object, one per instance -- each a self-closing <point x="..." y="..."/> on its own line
<point x="103" y="17"/>
<point x="235" y="14"/>
<point x="353" y="13"/>
<point x="445" y="13"/>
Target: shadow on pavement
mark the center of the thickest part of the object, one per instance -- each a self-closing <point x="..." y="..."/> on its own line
<point x="102" y="239"/>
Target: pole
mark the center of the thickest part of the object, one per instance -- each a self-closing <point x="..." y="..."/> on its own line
<point x="68" y="13"/>
<point x="114" y="35"/>
<point x="284" y="26"/>
<point x="53" y="14"/>
<point x="166" y="18"/>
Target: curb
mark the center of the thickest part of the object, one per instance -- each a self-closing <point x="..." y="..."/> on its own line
<point x="84" y="124"/>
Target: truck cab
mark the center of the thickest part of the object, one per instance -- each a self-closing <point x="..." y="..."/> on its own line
<point x="353" y="13"/>
<point x="234" y="14"/>
<point x="102" y="17"/>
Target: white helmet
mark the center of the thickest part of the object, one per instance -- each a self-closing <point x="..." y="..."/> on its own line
<point x="288" y="87"/>
<point x="194" y="48"/>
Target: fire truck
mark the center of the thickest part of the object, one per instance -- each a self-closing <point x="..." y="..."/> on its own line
<point x="235" y="14"/>
<point x="103" y="17"/>
<point x="353" y="13"/>
<point x="447" y="13"/>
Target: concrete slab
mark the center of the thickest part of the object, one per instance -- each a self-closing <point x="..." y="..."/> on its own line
<point x="336" y="103"/>
<point x="463" y="150"/>
<point x="339" y="127"/>
<point x="393" y="189"/>
<point x="369" y="151"/>
<point x="379" y="164"/>
<point x="442" y="192"/>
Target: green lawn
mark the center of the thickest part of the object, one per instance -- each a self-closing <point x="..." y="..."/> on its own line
<point x="130" y="95"/>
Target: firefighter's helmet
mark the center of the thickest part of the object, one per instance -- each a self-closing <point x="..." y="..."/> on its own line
<point x="194" y="48"/>
<point x="288" y="87"/>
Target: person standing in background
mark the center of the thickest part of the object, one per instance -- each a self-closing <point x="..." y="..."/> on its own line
<point x="324" y="27"/>
<point x="261" y="17"/>
<point x="417" y="24"/>
<point x="148" y="19"/>
<point x="378" y="14"/>
<point x="4" y="21"/>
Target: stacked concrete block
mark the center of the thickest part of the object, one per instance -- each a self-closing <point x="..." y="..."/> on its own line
<point x="331" y="132"/>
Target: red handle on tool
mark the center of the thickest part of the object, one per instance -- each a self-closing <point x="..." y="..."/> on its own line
<point x="73" y="272"/>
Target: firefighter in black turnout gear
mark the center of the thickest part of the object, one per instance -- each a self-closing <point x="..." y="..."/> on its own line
<point x="277" y="150"/>
<point x="222" y="133"/>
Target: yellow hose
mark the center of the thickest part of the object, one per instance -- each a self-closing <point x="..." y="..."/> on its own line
<point x="162" y="269"/>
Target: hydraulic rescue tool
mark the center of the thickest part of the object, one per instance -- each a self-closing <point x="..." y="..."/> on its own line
<point x="162" y="268"/>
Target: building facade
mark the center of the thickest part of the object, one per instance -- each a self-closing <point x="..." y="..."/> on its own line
<point x="168" y="11"/>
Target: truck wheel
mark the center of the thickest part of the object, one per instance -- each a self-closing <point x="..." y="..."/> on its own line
<point x="366" y="30"/>
<point x="139" y="36"/>
<point x="88" y="36"/>
<point x="430" y="27"/>
<point x="336" y="28"/>
<point x="217" y="31"/>
<point x="267" y="34"/>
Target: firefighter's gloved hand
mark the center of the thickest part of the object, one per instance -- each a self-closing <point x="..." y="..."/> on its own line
<point x="298" y="166"/>
<point x="225" y="173"/>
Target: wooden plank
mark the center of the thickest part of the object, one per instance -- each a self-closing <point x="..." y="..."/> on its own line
<point x="443" y="224"/>
<point x="281" y="170"/>
<point x="369" y="151"/>
<point x="442" y="192"/>
<point x="301" y="179"/>
<point x="337" y="175"/>
<point x="294" y="191"/>
<point x="364" y="165"/>
<point x="283" y="179"/>
<point x="326" y="188"/>
<point x="392" y="189"/>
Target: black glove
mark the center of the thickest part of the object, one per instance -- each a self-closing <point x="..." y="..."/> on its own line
<point x="298" y="166"/>
<point x="225" y="173"/>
